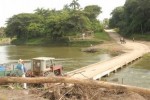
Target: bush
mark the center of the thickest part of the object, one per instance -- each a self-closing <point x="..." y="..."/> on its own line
<point x="145" y="37"/>
<point x="84" y="43"/>
<point x="18" y="41"/>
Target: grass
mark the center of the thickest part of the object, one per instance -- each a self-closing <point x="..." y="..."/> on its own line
<point x="35" y="41"/>
<point x="144" y="62"/>
<point x="84" y="43"/>
<point x="98" y="38"/>
<point x="145" y="37"/>
<point x="102" y="36"/>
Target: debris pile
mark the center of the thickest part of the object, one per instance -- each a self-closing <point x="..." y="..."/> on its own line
<point x="84" y="92"/>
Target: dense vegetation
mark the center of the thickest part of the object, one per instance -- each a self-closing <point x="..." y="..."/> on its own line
<point x="132" y="18"/>
<point x="54" y="24"/>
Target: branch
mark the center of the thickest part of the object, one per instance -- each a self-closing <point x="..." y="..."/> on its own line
<point x="73" y="81"/>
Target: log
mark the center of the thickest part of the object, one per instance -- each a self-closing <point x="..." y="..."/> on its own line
<point x="74" y="81"/>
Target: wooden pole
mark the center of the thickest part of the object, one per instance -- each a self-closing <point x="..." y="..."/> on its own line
<point x="72" y="81"/>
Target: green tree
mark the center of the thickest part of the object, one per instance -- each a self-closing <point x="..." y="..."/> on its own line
<point x="43" y="12"/>
<point x="66" y="8"/>
<point x="92" y="11"/>
<point x="137" y="15"/>
<point x="18" y="25"/>
<point x="117" y="19"/>
<point x="78" y="22"/>
<point x="74" y="4"/>
<point x="35" y="30"/>
<point x="54" y="24"/>
<point x="132" y="18"/>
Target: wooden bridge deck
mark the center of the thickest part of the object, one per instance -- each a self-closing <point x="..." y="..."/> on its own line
<point x="100" y="69"/>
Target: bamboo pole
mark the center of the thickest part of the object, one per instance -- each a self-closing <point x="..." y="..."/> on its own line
<point x="73" y="81"/>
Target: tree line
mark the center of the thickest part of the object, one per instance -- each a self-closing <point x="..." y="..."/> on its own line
<point x="132" y="18"/>
<point x="54" y="24"/>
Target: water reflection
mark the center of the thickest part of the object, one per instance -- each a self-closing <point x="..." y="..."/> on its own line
<point x="69" y="56"/>
<point x="3" y="54"/>
<point x="27" y="52"/>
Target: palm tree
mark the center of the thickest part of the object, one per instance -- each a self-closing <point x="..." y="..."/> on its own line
<point x="42" y="11"/>
<point x="74" y="4"/>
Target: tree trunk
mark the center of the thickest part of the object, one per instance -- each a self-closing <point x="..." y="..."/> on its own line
<point x="72" y="81"/>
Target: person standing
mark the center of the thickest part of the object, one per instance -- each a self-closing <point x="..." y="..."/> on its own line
<point x="133" y="39"/>
<point x="83" y="36"/>
<point x="21" y="68"/>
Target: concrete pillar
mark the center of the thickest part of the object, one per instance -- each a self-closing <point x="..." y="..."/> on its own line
<point x="108" y="74"/>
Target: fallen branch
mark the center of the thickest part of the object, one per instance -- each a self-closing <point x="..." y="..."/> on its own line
<point x="73" y="81"/>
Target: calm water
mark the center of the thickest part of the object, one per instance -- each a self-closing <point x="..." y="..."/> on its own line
<point x="131" y="76"/>
<point x="72" y="58"/>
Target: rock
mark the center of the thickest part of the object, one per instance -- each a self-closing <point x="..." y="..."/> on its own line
<point x="89" y="50"/>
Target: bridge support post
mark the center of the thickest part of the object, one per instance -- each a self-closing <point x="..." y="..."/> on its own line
<point x="108" y="74"/>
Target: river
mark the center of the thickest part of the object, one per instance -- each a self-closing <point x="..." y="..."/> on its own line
<point x="72" y="58"/>
<point x="131" y="75"/>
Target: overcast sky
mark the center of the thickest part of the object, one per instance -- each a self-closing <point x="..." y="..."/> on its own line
<point x="8" y="8"/>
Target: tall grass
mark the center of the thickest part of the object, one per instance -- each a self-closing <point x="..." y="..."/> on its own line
<point x="144" y="62"/>
<point x="102" y="36"/>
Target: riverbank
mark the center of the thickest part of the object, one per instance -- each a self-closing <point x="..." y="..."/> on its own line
<point x="5" y="41"/>
<point x="74" y="41"/>
<point x="143" y="63"/>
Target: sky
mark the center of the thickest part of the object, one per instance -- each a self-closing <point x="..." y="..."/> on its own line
<point x="8" y="8"/>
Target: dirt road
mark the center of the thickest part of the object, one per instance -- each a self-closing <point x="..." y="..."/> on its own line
<point x="95" y="71"/>
<point x="133" y="46"/>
